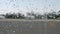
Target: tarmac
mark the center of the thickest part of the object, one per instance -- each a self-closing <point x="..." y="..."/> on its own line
<point x="25" y="26"/>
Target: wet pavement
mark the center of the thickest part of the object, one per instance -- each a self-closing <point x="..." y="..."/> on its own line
<point x="29" y="27"/>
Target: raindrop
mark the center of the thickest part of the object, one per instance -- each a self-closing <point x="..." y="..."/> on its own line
<point x="49" y="5"/>
<point x="12" y="0"/>
<point x="22" y="0"/>
<point x="13" y="4"/>
<point x="13" y="31"/>
<point x="45" y="0"/>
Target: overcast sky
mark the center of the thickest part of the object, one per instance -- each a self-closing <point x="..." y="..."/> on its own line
<point x="28" y="5"/>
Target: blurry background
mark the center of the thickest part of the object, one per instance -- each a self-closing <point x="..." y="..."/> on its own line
<point x="30" y="8"/>
<point x="39" y="6"/>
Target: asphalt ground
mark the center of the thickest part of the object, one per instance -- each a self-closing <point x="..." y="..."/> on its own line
<point x="25" y="26"/>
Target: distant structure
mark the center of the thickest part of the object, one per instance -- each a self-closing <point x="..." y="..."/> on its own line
<point x="44" y="17"/>
<point x="2" y="16"/>
<point x="29" y="17"/>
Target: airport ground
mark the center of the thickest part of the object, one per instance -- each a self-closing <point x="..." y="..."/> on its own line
<point x="25" y="26"/>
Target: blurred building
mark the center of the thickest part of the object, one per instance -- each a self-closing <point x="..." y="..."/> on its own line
<point x="2" y="17"/>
